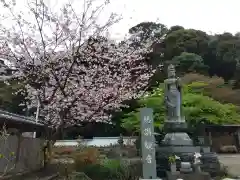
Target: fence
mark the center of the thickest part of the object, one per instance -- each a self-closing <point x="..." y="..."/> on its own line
<point x="19" y="154"/>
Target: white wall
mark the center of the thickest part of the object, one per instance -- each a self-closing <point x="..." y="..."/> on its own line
<point x="97" y="141"/>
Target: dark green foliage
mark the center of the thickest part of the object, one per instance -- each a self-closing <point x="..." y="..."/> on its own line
<point x="213" y="87"/>
<point x="220" y="52"/>
<point x="185" y="40"/>
<point x="10" y="99"/>
<point x="147" y="29"/>
<point x="95" y="171"/>
<point x="222" y="55"/>
<point x="174" y="28"/>
<point x="111" y="169"/>
<point x="189" y="62"/>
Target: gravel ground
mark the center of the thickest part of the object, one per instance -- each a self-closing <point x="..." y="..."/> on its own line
<point x="232" y="161"/>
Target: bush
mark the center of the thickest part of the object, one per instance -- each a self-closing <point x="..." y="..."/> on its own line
<point x="111" y="164"/>
<point x="97" y="172"/>
<point x="112" y="153"/>
<point x="90" y="162"/>
<point x="122" y="170"/>
<point x="63" y="150"/>
<point x="214" y="87"/>
<point x="87" y="156"/>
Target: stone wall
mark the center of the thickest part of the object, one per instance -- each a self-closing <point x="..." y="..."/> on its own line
<point x="19" y="154"/>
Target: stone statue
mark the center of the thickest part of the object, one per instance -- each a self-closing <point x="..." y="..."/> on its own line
<point x="173" y="97"/>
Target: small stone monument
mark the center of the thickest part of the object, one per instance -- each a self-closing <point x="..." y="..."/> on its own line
<point x="173" y="101"/>
<point x="185" y="167"/>
<point x="148" y="144"/>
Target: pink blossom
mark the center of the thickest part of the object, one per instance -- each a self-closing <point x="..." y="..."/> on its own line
<point x="77" y="74"/>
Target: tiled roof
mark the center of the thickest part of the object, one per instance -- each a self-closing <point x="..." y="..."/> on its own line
<point x="4" y="115"/>
<point x="6" y="70"/>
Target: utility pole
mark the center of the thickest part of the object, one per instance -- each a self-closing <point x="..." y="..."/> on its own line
<point x="37" y="114"/>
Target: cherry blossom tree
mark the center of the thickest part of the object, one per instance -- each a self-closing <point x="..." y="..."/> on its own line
<point x="69" y="65"/>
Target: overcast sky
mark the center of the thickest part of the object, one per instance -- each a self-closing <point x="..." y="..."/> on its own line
<point x="214" y="16"/>
<point x="211" y="16"/>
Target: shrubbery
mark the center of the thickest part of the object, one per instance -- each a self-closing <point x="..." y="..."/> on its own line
<point x="90" y="162"/>
<point x="197" y="106"/>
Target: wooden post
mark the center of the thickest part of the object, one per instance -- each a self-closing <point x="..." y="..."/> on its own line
<point x="19" y="138"/>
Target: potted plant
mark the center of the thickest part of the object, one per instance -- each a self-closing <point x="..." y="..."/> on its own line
<point x="172" y="162"/>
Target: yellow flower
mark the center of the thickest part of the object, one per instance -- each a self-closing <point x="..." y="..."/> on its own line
<point x="1" y="156"/>
<point x="12" y="153"/>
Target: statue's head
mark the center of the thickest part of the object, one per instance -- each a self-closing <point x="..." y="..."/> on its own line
<point x="171" y="71"/>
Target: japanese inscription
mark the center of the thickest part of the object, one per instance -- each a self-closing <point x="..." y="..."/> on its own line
<point x="147" y="132"/>
<point x="147" y="119"/>
<point x="148" y="143"/>
<point x="149" y="159"/>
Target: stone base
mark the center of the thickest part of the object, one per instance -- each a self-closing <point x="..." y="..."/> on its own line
<point x="172" y="126"/>
<point x="188" y="176"/>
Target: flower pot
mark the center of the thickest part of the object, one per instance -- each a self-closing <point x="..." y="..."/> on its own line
<point x="173" y="167"/>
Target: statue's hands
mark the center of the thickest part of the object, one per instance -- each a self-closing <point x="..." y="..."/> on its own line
<point x="171" y="105"/>
<point x="168" y="103"/>
<point x="179" y="82"/>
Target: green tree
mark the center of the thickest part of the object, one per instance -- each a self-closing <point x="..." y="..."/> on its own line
<point x="174" y="28"/>
<point x="10" y="98"/>
<point x="220" y="52"/>
<point x="146" y="30"/>
<point x="190" y="62"/>
<point x="152" y="33"/>
<point x="185" y="40"/>
<point x="222" y="55"/>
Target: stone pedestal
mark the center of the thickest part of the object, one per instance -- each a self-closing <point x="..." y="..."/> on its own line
<point x="176" y="139"/>
<point x="185" y="167"/>
<point x="174" y="126"/>
<point x="188" y="176"/>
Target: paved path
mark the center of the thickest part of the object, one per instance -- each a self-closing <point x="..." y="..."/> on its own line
<point x="232" y="161"/>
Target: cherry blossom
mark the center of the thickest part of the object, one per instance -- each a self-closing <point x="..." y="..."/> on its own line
<point x="67" y="63"/>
